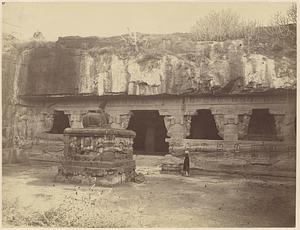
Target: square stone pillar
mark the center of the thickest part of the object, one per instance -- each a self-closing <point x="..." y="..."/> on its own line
<point x="75" y="118"/>
<point x="219" y="120"/>
<point x="244" y="120"/>
<point x="230" y="127"/>
<point x="187" y="124"/>
<point x="177" y="132"/>
<point x="285" y="125"/>
<point x="119" y="121"/>
<point x="114" y="121"/>
<point x="279" y="125"/>
<point x="289" y="133"/>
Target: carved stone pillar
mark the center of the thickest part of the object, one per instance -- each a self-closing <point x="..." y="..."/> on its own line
<point x="243" y="125"/>
<point x="124" y="120"/>
<point x="231" y="127"/>
<point x="284" y="123"/>
<point x="119" y="121"/>
<point x="219" y="119"/>
<point x="176" y="132"/>
<point x="41" y="122"/>
<point x="279" y="125"/>
<point x="75" y="120"/>
<point x="187" y="124"/>
<point x="289" y="128"/>
<point x="169" y="121"/>
<point x="48" y="121"/>
<point x="21" y="125"/>
<point x="114" y="121"/>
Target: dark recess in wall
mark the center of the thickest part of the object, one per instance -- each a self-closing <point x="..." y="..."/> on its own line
<point x="203" y="126"/>
<point x="261" y="126"/>
<point x="150" y="132"/>
<point x="60" y="122"/>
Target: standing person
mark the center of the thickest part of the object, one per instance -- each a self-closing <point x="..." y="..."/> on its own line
<point x="186" y="164"/>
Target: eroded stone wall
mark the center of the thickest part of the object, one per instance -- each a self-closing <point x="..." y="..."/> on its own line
<point x="90" y="66"/>
<point x="163" y="64"/>
<point x="231" y="114"/>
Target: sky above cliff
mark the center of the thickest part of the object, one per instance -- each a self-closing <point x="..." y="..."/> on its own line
<point x="58" y="19"/>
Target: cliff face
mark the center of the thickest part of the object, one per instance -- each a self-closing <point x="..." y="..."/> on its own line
<point x="152" y="64"/>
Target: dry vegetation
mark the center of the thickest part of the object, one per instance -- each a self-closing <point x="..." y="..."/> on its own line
<point x="224" y="25"/>
<point x="221" y="26"/>
<point x="81" y="210"/>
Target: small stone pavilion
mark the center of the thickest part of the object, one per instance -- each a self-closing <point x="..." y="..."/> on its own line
<point x="97" y="154"/>
<point x="233" y="109"/>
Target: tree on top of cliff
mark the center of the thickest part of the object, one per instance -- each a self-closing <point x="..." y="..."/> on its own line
<point x="226" y="24"/>
<point x="292" y="14"/>
<point x="38" y="36"/>
<point x="220" y="26"/>
<point x="283" y="26"/>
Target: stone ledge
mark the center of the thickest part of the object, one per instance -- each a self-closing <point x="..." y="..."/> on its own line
<point x="101" y="164"/>
<point x="88" y="132"/>
<point x="91" y="171"/>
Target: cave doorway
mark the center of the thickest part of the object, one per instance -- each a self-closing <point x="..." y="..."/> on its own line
<point x="203" y="126"/>
<point x="60" y="122"/>
<point x="150" y="132"/>
<point x="261" y="126"/>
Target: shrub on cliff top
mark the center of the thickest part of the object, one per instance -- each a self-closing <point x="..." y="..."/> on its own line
<point x="220" y="26"/>
<point x="228" y="25"/>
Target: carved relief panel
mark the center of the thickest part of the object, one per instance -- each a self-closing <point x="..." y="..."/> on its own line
<point x="124" y="120"/>
<point x="187" y="124"/>
<point x="219" y="119"/>
<point x="243" y="125"/>
<point x="279" y="125"/>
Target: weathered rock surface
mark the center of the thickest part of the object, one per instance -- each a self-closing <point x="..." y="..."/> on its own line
<point x="158" y="64"/>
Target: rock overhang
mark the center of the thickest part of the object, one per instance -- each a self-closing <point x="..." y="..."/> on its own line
<point x="163" y="65"/>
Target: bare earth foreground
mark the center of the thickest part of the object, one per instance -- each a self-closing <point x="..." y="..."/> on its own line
<point x="31" y="198"/>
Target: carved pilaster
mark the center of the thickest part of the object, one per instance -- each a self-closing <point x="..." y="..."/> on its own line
<point x="219" y="119"/>
<point x="279" y="124"/>
<point x="75" y="120"/>
<point x="285" y="124"/>
<point x="176" y="132"/>
<point x="175" y="126"/>
<point x="21" y="125"/>
<point x="119" y="121"/>
<point x="243" y="125"/>
<point x="124" y="120"/>
<point x="114" y="121"/>
<point x="23" y="128"/>
<point x="169" y="121"/>
<point x="289" y="128"/>
<point x="187" y="124"/>
<point x="47" y="121"/>
<point x="231" y="127"/>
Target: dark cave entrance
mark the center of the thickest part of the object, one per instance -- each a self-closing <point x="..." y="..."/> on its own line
<point x="203" y="126"/>
<point x="150" y="132"/>
<point x="261" y="126"/>
<point x="60" y="122"/>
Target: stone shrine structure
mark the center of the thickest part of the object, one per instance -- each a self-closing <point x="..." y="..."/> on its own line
<point x="97" y="154"/>
<point x="232" y="107"/>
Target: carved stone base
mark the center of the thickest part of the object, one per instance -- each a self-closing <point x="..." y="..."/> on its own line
<point x="97" y="156"/>
<point x="108" y="176"/>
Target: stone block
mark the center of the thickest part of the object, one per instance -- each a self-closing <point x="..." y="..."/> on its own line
<point x="110" y="180"/>
<point x="230" y="137"/>
<point x="103" y="154"/>
<point x="108" y="156"/>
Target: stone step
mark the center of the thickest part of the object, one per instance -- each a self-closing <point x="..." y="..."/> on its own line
<point x="99" y="164"/>
<point x="92" y="171"/>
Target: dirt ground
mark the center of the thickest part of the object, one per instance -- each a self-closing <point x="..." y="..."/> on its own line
<point x="31" y="198"/>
